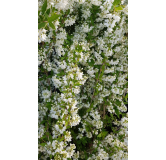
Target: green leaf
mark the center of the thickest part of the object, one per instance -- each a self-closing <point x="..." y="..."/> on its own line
<point x="83" y="140"/>
<point x="78" y="84"/>
<point x="87" y="128"/>
<point x="51" y="25"/>
<point x="95" y="93"/>
<point x="48" y="11"/>
<point x="40" y="79"/>
<point x="49" y="121"/>
<point x="44" y="7"/>
<point x="61" y="139"/>
<point x="97" y="74"/>
<point x="48" y="105"/>
<point x="86" y="157"/>
<point x="61" y="74"/>
<point x="100" y="135"/>
<point x="118" y="8"/>
<point x="116" y="111"/>
<point x="50" y="137"/>
<point x="118" y="102"/>
<point x="43" y="137"/>
<point x="53" y="9"/>
<point x="49" y="76"/>
<point x="91" y="63"/>
<point x="43" y="144"/>
<point x="104" y="133"/>
<point x="126" y="97"/>
<point x="66" y="123"/>
<point x="42" y="122"/>
<point x="54" y="33"/>
<point x="42" y="25"/>
<point x="103" y="68"/>
<point x="101" y="75"/>
<point x="89" y="110"/>
<point x="53" y="17"/>
<point x="116" y="2"/>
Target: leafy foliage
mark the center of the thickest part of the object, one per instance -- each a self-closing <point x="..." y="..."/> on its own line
<point x="82" y="79"/>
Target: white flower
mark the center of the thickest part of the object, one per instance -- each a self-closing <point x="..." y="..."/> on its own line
<point x="79" y="75"/>
<point x="40" y="131"/>
<point x="76" y="90"/>
<point x="96" y="2"/>
<point x="68" y="136"/>
<point x="117" y="18"/>
<point x="70" y="21"/>
<point x="125" y="10"/>
<point x="109" y="70"/>
<point x="56" y="24"/>
<point x="79" y="136"/>
<point x="46" y="94"/>
<point x="91" y="72"/>
<point x="62" y="65"/>
<point x="56" y="81"/>
<point x="81" y="1"/>
<point x="41" y="35"/>
<point x="86" y="13"/>
<point x="89" y="134"/>
<point x="69" y="100"/>
<point x="71" y="76"/>
<point x="110" y="30"/>
<point x="76" y="156"/>
<point x="62" y="4"/>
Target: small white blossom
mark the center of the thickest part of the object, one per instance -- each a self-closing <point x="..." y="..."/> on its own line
<point x="46" y="94"/>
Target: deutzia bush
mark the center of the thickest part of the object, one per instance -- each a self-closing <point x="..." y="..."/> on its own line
<point x="83" y="79"/>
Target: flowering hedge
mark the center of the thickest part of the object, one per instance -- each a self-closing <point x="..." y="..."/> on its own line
<point x="83" y="79"/>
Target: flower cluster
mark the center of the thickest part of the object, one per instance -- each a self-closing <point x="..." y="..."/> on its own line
<point x="83" y="78"/>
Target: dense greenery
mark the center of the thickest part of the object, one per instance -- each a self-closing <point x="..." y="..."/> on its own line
<point x="83" y="79"/>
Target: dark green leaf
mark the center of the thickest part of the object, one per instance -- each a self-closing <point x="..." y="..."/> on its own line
<point x="44" y="7"/>
<point x="48" y="105"/>
<point x="48" y="11"/>
<point x="89" y="110"/>
<point x="116" y="111"/>
<point x="61" y="74"/>
<point x="42" y="122"/>
<point x="84" y="141"/>
<point x="42" y="25"/>
<point x="51" y="25"/>
<point x="53" y="17"/>
<point x="97" y="74"/>
<point x="91" y="63"/>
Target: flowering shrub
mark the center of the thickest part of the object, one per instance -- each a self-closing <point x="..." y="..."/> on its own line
<point x="82" y="72"/>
